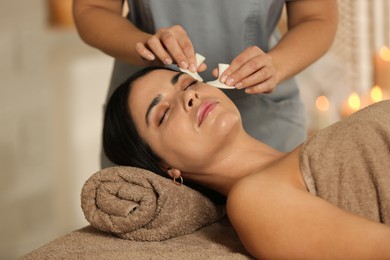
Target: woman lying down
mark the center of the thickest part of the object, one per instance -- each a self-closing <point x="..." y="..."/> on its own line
<point x="328" y="198"/>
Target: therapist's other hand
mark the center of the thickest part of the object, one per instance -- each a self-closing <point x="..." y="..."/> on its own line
<point x="252" y="70"/>
<point x="170" y="45"/>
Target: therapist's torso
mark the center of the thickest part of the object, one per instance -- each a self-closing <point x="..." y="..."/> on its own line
<point x="220" y="30"/>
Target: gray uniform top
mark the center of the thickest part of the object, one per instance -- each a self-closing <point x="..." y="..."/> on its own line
<point x="220" y="30"/>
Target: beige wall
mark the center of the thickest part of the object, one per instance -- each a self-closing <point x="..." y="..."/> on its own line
<point x="52" y="88"/>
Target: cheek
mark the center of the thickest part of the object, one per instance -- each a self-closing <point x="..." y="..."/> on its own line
<point x="183" y="146"/>
<point x="193" y="150"/>
<point x="179" y="146"/>
<point x="178" y="140"/>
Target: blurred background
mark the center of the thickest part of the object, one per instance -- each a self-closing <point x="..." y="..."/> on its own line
<point x="52" y="90"/>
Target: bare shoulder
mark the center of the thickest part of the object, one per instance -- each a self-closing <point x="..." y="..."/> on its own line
<point x="257" y="193"/>
<point x="264" y="187"/>
<point x="270" y="215"/>
<point x="248" y="189"/>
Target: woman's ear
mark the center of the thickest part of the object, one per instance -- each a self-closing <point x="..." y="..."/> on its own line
<point x="174" y="173"/>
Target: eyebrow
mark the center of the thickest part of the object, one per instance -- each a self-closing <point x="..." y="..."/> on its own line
<point x="157" y="99"/>
<point x="175" y="78"/>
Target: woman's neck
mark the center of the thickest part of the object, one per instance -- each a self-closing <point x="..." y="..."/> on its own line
<point x="237" y="160"/>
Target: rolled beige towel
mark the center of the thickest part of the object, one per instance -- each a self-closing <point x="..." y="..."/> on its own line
<point x="137" y="204"/>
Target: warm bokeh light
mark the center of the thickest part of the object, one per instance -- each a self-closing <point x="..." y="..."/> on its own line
<point x="60" y="13"/>
<point x="354" y="101"/>
<point x="376" y="94"/>
<point x="384" y="53"/>
<point x="322" y="103"/>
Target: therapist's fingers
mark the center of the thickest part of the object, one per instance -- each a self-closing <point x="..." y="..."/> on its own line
<point x="142" y="51"/>
<point x="145" y="53"/>
<point x="251" y="68"/>
<point x="255" y="71"/>
<point x="164" y="46"/>
<point x="170" y="45"/>
<point x="187" y="48"/>
<point x="247" y="69"/>
<point x="261" y="81"/>
<point x="155" y="45"/>
<point x="202" y="67"/>
<point x="237" y="63"/>
<point x="179" y="46"/>
<point x="215" y="72"/>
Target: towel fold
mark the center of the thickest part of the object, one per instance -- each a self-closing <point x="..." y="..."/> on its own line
<point x="348" y="163"/>
<point x="137" y="204"/>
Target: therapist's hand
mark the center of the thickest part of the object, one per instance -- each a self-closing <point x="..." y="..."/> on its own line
<point x="170" y="45"/>
<point x="252" y="70"/>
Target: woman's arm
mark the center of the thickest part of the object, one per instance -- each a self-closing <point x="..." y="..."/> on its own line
<point x="311" y="30"/>
<point x="312" y="26"/>
<point x="100" y="24"/>
<point x="275" y="220"/>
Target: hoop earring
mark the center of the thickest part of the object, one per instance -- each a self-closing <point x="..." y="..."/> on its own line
<point x="178" y="183"/>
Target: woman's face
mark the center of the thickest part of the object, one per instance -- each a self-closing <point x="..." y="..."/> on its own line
<point x="185" y="122"/>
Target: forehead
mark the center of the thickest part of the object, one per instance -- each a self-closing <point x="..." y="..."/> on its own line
<point x="152" y="82"/>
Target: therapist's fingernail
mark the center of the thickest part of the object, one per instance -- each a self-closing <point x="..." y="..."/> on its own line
<point x="223" y="79"/>
<point x="150" y="56"/>
<point x="248" y="91"/>
<point x="230" y="82"/>
<point x="183" y="65"/>
<point x="238" y="85"/>
<point x="168" y="61"/>
<point x="192" y="68"/>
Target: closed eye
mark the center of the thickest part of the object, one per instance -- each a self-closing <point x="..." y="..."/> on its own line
<point x="163" y="116"/>
<point x="191" y="84"/>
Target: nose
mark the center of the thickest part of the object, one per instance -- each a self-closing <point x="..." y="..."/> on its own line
<point x="190" y="98"/>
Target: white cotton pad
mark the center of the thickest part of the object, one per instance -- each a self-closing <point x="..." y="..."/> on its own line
<point x="195" y="75"/>
<point x="217" y="83"/>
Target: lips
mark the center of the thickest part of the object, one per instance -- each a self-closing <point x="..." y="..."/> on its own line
<point x="204" y="110"/>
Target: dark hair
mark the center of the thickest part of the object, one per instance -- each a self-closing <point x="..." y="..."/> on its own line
<point x="122" y="143"/>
